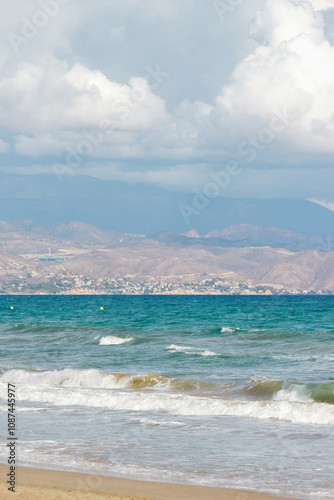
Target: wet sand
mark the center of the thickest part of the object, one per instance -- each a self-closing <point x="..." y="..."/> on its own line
<point x="40" y="484"/>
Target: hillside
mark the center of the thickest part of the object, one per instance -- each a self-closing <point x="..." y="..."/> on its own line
<point x="248" y="235"/>
<point x="99" y="257"/>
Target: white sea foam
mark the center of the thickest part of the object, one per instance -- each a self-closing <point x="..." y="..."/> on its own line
<point x="89" y="379"/>
<point x="227" y="329"/>
<point x="180" y="348"/>
<point x="190" y="350"/>
<point x="153" y="421"/>
<point x="306" y="413"/>
<point x="87" y="388"/>
<point x="315" y="357"/>
<point x="31" y="409"/>
<point x="85" y="379"/>
<point x="208" y="353"/>
<point x="111" y="340"/>
<point x="294" y="395"/>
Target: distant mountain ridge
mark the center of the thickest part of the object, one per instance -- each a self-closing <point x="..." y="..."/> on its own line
<point x="244" y="231"/>
<point x="252" y="235"/>
<point x="238" y="236"/>
<point x="247" y="235"/>
<point x="80" y="232"/>
<point x="145" y="209"/>
<point x="77" y="233"/>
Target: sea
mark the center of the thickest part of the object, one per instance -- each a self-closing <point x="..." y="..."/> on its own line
<point x="227" y="391"/>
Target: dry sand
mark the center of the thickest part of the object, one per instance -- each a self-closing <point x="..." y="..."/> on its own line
<point x="37" y="484"/>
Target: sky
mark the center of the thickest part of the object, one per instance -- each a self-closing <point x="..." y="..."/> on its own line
<point x="228" y="98"/>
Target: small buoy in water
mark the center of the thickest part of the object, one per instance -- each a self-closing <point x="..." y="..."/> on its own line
<point x="101" y="308"/>
<point x="11" y="307"/>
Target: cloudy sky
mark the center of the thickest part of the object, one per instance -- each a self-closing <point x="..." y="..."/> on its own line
<point x="168" y="92"/>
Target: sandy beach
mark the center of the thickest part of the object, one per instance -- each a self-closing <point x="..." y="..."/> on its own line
<point x="38" y="484"/>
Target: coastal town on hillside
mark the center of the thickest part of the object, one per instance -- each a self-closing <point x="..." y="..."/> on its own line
<point x="67" y="284"/>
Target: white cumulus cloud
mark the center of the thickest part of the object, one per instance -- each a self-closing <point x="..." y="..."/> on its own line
<point x="322" y="4"/>
<point x="293" y="70"/>
<point x="54" y="105"/>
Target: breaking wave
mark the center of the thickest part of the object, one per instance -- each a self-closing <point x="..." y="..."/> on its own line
<point x="190" y="350"/>
<point x="111" y="340"/>
<point x="228" y="329"/>
<point x="258" y="397"/>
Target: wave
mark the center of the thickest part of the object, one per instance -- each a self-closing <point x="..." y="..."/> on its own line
<point x="22" y="409"/>
<point x="40" y="328"/>
<point x="154" y="421"/>
<point x="258" y="397"/>
<point x="191" y="350"/>
<point x="323" y="393"/>
<point x="94" y="379"/>
<point x="111" y="340"/>
<point x="258" y="388"/>
<point x="228" y="329"/>
<point x="255" y="388"/>
<point x="264" y="388"/>
<point x="70" y="333"/>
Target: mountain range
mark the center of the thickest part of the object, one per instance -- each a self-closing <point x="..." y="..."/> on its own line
<point x="106" y="229"/>
<point x="145" y="209"/>
<point x="79" y="233"/>
<point x="96" y="253"/>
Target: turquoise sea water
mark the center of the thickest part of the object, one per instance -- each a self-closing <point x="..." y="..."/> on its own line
<point x="220" y="391"/>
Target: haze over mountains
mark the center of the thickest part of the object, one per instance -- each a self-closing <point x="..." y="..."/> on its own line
<point x="144" y="209"/>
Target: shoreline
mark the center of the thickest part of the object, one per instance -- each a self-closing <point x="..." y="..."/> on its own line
<point x="39" y="484"/>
